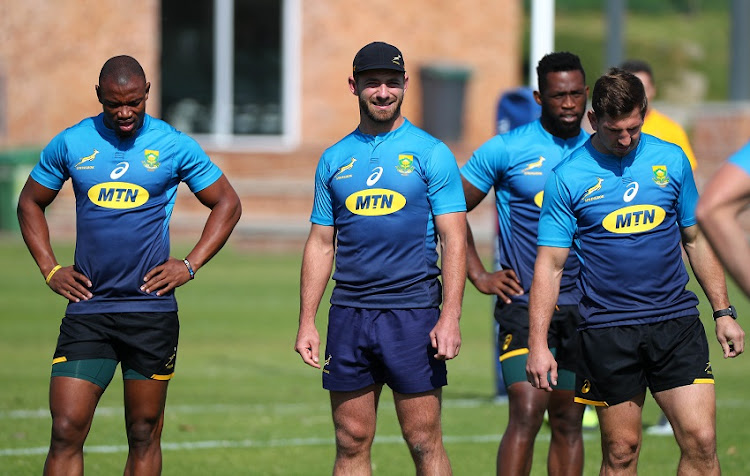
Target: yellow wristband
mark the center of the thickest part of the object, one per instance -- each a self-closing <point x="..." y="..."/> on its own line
<point x="52" y="273"/>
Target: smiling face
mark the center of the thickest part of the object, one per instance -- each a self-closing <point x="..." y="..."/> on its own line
<point x="380" y="93"/>
<point x="123" y="102"/>
<point x="563" y="101"/>
<point x="619" y="135"/>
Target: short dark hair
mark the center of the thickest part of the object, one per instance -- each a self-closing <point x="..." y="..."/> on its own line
<point x="637" y="66"/>
<point x="555" y="63"/>
<point x="618" y="92"/>
<point x="122" y="68"/>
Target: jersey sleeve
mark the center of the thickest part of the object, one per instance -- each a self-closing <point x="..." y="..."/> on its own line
<point x="557" y="223"/>
<point x="484" y="167"/>
<point x="687" y="199"/>
<point x="51" y="171"/>
<point x="741" y="158"/>
<point x="322" y="212"/>
<point x="444" y="189"/>
<point x="195" y="167"/>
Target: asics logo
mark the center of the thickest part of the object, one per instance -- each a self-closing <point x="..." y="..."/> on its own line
<point x="631" y="192"/>
<point x="374" y="176"/>
<point x="119" y="171"/>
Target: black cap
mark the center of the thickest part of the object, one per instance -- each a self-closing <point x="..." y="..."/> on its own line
<point x="378" y="55"/>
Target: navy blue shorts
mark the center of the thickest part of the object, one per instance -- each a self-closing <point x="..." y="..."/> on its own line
<point x="377" y="346"/>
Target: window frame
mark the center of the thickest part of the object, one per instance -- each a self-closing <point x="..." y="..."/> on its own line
<point x="223" y="139"/>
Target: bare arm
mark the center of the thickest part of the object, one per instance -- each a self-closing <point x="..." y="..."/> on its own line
<point x="723" y="199"/>
<point x="545" y="289"/>
<point x="710" y="276"/>
<point x="501" y="283"/>
<point x="446" y="335"/>
<point x="65" y="281"/>
<point x="317" y="263"/>
<point x="226" y="210"/>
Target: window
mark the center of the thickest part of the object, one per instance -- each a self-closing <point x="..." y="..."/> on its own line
<point x="230" y="70"/>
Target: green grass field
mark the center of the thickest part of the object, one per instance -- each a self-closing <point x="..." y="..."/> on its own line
<point x="243" y="402"/>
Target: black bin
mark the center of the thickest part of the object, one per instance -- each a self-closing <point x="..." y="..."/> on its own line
<point x="443" y="91"/>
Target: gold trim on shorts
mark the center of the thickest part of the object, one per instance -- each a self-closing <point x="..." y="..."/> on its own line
<point x="513" y="353"/>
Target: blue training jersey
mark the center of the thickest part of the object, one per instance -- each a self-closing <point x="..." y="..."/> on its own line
<point x="125" y="191"/>
<point x="741" y="158"/>
<point x="381" y="194"/>
<point x="623" y="217"/>
<point x="517" y="164"/>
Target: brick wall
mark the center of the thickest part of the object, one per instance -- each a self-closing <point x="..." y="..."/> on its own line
<point x="51" y="54"/>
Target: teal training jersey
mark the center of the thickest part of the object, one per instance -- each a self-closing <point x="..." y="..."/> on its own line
<point x="381" y="194"/>
<point x="517" y="164"/>
<point x="125" y="191"/>
<point x="623" y="216"/>
<point x="741" y="158"/>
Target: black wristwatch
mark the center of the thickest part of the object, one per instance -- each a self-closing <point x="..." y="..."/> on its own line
<point x="730" y="311"/>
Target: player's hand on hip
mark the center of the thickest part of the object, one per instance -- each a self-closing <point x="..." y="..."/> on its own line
<point x="446" y="338"/>
<point x="165" y="277"/>
<point x="503" y="284"/>
<point x="308" y="345"/>
<point x="539" y="365"/>
<point x="731" y="336"/>
<point x="70" y="284"/>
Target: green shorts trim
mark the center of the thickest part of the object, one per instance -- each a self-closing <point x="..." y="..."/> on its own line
<point x="96" y="371"/>
<point x="514" y="370"/>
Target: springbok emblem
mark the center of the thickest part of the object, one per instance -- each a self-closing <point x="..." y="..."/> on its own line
<point x="535" y="165"/>
<point x="595" y="188"/>
<point x="346" y="167"/>
<point x="88" y="158"/>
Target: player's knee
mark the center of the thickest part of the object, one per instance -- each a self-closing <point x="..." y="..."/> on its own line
<point x="68" y="432"/>
<point x="144" y="432"/>
<point x="526" y="416"/>
<point x="422" y="441"/>
<point x="700" y="443"/>
<point x="353" y="439"/>
<point x="622" y="452"/>
<point x="566" y="424"/>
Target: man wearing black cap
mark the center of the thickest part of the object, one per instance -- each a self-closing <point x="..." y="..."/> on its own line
<point x="383" y="196"/>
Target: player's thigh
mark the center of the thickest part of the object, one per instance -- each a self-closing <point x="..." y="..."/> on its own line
<point x="354" y="413"/>
<point x="690" y="408"/>
<point x="620" y="424"/>
<point x="74" y="400"/>
<point x="419" y="412"/>
<point x="144" y="400"/>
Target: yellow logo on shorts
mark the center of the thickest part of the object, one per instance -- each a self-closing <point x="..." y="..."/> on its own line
<point x="328" y="361"/>
<point x="507" y="341"/>
<point x="708" y="369"/>
<point x="170" y="361"/>
<point x="586" y="386"/>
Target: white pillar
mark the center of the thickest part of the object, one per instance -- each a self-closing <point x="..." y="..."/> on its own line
<point x="542" y="35"/>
